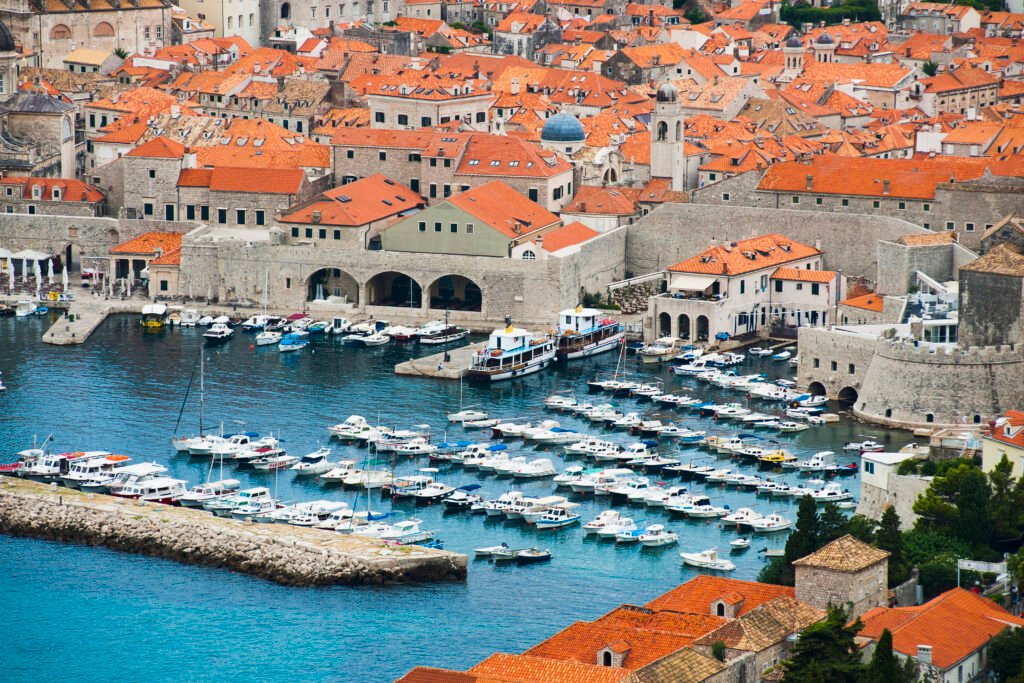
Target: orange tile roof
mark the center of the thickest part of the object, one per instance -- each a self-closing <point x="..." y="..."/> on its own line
<point x="607" y="201"/>
<point x="869" y="302"/>
<point x="360" y="203"/>
<point x="735" y="258"/>
<point x="699" y="593"/>
<point x="526" y="669"/>
<point x="70" y="190"/>
<point x="195" y="177"/>
<point x="918" y="240"/>
<point x="959" y="79"/>
<point x="502" y="208"/>
<point x="260" y="180"/>
<point x="956" y="624"/>
<point x="568" y="236"/>
<point x="159" y="148"/>
<point x="429" y="674"/>
<point x="804" y="275"/>
<point x="1009" y="428"/>
<point x="845" y="554"/>
<point x="520" y="23"/>
<point x="514" y="157"/>
<point x="663" y="54"/>
<point x="150" y="243"/>
<point x="171" y="258"/>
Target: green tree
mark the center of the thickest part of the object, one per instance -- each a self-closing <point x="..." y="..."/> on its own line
<point x="832" y="524"/>
<point x="890" y="538"/>
<point x="885" y="666"/>
<point x="695" y="15"/>
<point x="1006" y="654"/>
<point x="1006" y="504"/>
<point x="862" y="528"/>
<point x="121" y="52"/>
<point x="718" y="650"/>
<point x="805" y="539"/>
<point x="930" y="68"/>
<point x="957" y="503"/>
<point x="936" y="578"/>
<point x="826" y="651"/>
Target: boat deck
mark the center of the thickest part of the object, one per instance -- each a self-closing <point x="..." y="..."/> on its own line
<point x="427" y="366"/>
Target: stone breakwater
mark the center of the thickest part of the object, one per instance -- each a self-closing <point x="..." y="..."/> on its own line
<point x="281" y="553"/>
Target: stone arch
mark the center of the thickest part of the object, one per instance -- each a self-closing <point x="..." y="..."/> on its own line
<point x="664" y="325"/>
<point x="60" y="32"/>
<point x="662" y="131"/>
<point x="332" y="282"/>
<point x="103" y="30"/>
<point x="817" y="389"/>
<point x="456" y="292"/>
<point x="611" y="176"/>
<point x="683" y="331"/>
<point x="286" y="10"/>
<point x="848" y="395"/>
<point x="703" y="328"/>
<point x="392" y="288"/>
<point x="679" y="131"/>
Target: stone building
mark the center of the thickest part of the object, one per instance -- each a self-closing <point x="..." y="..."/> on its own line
<point x="414" y="100"/>
<point x="882" y="486"/>
<point x="319" y="15"/>
<point x="959" y="91"/>
<point x="524" y="34"/>
<point x="844" y="571"/>
<point x="39" y="136"/>
<point x="131" y="260"/>
<point x="992" y="298"/>
<point x="50" y="196"/>
<point x="1005" y="440"/>
<point x="228" y="17"/>
<point x="50" y="31"/>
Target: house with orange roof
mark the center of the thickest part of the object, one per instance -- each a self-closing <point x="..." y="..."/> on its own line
<point x="723" y="97"/>
<point x="601" y="208"/>
<point x="644" y="64"/>
<point x="50" y="196"/>
<point x="186" y="28"/>
<point x="352" y="215"/>
<point x="962" y="90"/>
<point x="132" y="259"/>
<point x="239" y="197"/>
<point x="524" y="34"/>
<point x="235" y="18"/>
<point x="739" y="288"/>
<point x="134" y="103"/>
<point x="420" y="99"/>
<point x="490" y="220"/>
<point x="937" y="17"/>
<point x="866" y="309"/>
<point x="1006" y="439"/>
<point x="947" y="637"/>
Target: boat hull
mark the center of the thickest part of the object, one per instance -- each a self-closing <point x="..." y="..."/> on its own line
<point x="602" y="346"/>
<point x="535" y="365"/>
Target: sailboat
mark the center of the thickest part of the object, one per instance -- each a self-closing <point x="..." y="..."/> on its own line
<point x="614" y="383"/>
<point x="183" y="443"/>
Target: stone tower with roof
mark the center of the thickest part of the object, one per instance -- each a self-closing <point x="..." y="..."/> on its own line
<point x="793" y="51"/>
<point x="825" y="49"/>
<point x="844" y="571"/>
<point x="668" y="156"/>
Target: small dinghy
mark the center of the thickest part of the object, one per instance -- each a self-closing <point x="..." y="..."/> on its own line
<point x="740" y="544"/>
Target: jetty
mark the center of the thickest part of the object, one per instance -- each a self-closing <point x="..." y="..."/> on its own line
<point x="285" y="554"/>
<point x="436" y="367"/>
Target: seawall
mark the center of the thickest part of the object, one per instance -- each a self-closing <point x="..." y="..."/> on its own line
<point x="281" y="553"/>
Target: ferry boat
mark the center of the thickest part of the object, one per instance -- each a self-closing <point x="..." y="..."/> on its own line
<point x="511" y="352"/>
<point x="154" y="316"/>
<point x="582" y="332"/>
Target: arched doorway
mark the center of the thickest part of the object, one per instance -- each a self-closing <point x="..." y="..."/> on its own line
<point x="457" y="293"/>
<point x="286" y="10"/>
<point x="333" y="282"/>
<point x="702" y="328"/>
<point x="817" y="389"/>
<point x="664" y="325"/>
<point x="684" y="327"/>
<point x="848" y="396"/>
<point x="394" y="289"/>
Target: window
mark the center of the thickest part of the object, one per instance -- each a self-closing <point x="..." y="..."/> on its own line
<point x="350" y="154"/>
<point x="851" y="368"/>
<point x="423" y="226"/>
<point x="469" y="228"/>
<point x="163" y="285"/>
<point x="287" y="280"/>
<point x="152" y="173"/>
<point x="834" y="365"/>
<point x="481" y="117"/>
<point x="32" y="209"/>
<point x="875" y="204"/>
<point x="927" y="226"/>
<point x="529" y="255"/>
<point x="817" y="362"/>
<point x="383" y="156"/>
<point x="533" y="194"/>
<point x="778" y="285"/>
<point x="337" y="234"/>
<point x="447" y="163"/>
<point x="168" y="212"/>
<point x="403" y="119"/>
<point x="950" y="225"/>
<point x="295" y="232"/>
<point x="240" y="216"/>
<point x="222" y="216"/>
<point x="969" y="227"/>
<point x="815" y="289"/>
<point x="147" y="209"/>
<point x="712" y="176"/>
<point x="926" y="207"/>
<point x="796" y="200"/>
<point x="425" y="122"/>
<point x="433" y="162"/>
<point x="204" y="213"/>
<point x="799" y="286"/>
<point x="447" y="190"/>
<point x="190" y="212"/>
<point x="378" y="117"/>
<point x="743" y="287"/>
<point x="414" y="185"/>
<point x="437" y="227"/>
<point x="454" y="227"/>
<point x="322" y="233"/>
<point x="846" y="202"/>
<point x="261" y="217"/>
<point x="433" y="190"/>
<point x="309" y="233"/>
<point x="902" y="205"/>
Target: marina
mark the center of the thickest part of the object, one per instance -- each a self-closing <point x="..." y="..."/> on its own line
<point x="296" y="396"/>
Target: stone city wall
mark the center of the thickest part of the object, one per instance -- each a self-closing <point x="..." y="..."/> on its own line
<point x="822" y="349"/>
<point x="902" y="492"/>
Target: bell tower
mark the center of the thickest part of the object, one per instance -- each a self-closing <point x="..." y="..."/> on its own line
<point x="668" y="157"/>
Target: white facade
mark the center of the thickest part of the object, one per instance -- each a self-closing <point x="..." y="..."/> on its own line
<point x="228" y="17"/>
<point x="408" y="113"/>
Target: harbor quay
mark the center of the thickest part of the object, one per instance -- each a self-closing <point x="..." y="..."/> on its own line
<point x="283" y="554"/>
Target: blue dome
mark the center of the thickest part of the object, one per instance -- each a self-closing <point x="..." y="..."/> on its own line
<point x="563" y="128"/>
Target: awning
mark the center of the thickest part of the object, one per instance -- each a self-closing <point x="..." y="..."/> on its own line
<point x="690" y="283"/>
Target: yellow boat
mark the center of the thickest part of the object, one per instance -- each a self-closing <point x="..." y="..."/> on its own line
<point x="777" y="457"/>
<point x="154" y="316"/>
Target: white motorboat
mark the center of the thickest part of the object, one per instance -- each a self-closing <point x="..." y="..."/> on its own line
<point x="50" y="467"/>
<point x="789" y="427"/>
<point x="218" y="333"/>
<point x="510" y="429"/>
<point x="660" y="350"/>
<point x="741" y="516"/>
<point x="489" y="551"/>
<point x="557" y="516"/>
<point x="819" y="462"/>
<point x="535" y="469"/>
<point x="511" y="352"/>
<point x="768" y="524"/>
<point x="706" y="511"/>
<point x="222" y="507"/>
<point x="155" y="490"/>
<point x="560" y="402"/>
<point x="85" y="469"/>
<point x="415" y="446"/>
<point x="656" y="535"/>
<point x="603" y="479"/>
<point x="739" y="543"/>
<point x="616" y="527"/>
<point x="266" y="338"/>
<point x="759" y="352"/>
<point x="200" y="494"/>
<point x="462" y="498"/>
<point x="568" y="476"/>
<point x="255" y="509"/>
<point x="255" y="322"/>
<point x="313" y="463"/>
<point x="707" y="559"/>
<point x="605" y="518"/>
<point x="440" y="335"/>
<point x="355" y="427"/>
<point x="433" y="492"/>
<point x="189" y="317"/>
<point x="121" y="476"/>
<point x="496" y="507"/>
<point x="405" y="486"/>
<point x="831" y="493"/>
<point x="864" y="446"/>
<point x="554" y="435"/>
<point x="781" y="355"/>
<point x="467" y="415"/>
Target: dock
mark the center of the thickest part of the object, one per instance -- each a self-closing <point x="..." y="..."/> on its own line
<point x="435" y="366"/>
<point x="283" y="553"/>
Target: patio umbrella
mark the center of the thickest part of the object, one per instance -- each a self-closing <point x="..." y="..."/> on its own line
<point x="49" y="270"/>
<point x="128" y="281"/>
<point x="39" y="277"/>
<point x="10" y="271"/>
<point x="64" y="278"/>
<point x="24" y="269"/>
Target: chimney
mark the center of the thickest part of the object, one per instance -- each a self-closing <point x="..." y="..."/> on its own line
<point x="886" y="186"/>
<point x="514" y="87"/>
<point x="810" y="182"/>
<point x="316" y="218"/>
<point x="924" y="654"/>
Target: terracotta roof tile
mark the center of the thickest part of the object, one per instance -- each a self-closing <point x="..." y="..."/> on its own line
<point x="869" y="302"/>
<point x="765" y="626"/>
<point x="1009" y="428"/>
<point x="804" y="275"/>
<point x="699" y="593"/>
<point x="504" y="209"/>
<point x="746" y="256"/>
<point x="608" y="201"/>
<point x="918" y="240"/>
<point x="568" y="236"/>
<point x="845" y="554"/>
<point x="1002" y="259"/>
<point x="149" y="243"/>
<point x="682" y="666"/>
<point x="70" y="190"/>
<point x="159" y="148"/>
<point x="356" y="204"/>
<point x="526" y="669"/>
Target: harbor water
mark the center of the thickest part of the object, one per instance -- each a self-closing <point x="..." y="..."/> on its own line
<point x="90" y="614"/>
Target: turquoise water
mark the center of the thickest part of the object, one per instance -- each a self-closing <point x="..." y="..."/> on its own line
<point x="80" y="613"/>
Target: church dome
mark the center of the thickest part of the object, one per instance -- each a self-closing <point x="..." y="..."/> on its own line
<point x="668" y="93"/>
<point x="6" y="39"/>
<point x="794" y="42"/>
<point x="563" y="127"/>
<point x="825" y="39"/>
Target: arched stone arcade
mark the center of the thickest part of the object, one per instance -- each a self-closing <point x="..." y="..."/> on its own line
<point x="456" y="292"/>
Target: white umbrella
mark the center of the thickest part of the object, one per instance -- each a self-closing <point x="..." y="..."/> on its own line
<point x="10" y="272"/>
<point x="49" y="270"/>
<point x="39" y="277"/>
<point x="24" y="269"/>
<point x="64" y="278"/>
<point x="128" y="280"/>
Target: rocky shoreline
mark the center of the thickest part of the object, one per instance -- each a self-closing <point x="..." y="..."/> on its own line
<point x="281" y="553"/>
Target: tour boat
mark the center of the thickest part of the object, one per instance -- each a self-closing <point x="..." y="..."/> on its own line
<point x="86" y="469"/>
<point x="113" y="480"/>
<point x="196" y="496"/>
<point x="154" y="316"/>
<point x="707" y="559"/>
<point x="313" y="463"/>
<point x="535" y="469"/>
<point x="52" y="466"/>
<point x="768" y="524"/>
<point x="441" y="335"/>
<point x="656" y="535"/>
<point x="268" y="338"/>
<point x="583" y="332"/>
<point x="218" y="333"/>
<point x="292" y="342"/>
<point x="557" y="517"/>
<point x="660" y="350"/>
<point x="156" y="490"/>
<point x="511" y="352"/>
<point x="222" y="507"/>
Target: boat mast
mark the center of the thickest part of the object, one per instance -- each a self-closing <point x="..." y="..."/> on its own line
<point x="202" y="387"/>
